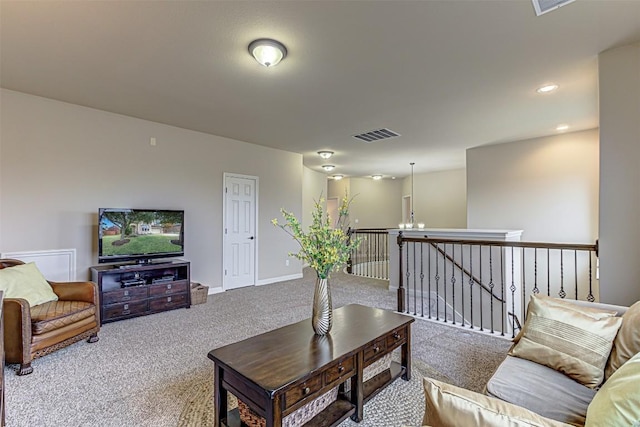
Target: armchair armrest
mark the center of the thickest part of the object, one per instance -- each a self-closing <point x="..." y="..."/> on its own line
<point x="16" y="315"/>
<point x="76" y="291"/>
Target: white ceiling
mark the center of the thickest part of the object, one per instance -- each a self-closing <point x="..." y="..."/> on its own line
<point x="446" y="75"/>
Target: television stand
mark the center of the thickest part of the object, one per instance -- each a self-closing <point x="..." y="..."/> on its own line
<point x="132" y="290"/>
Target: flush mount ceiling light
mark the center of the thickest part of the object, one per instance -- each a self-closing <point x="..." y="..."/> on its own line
<point x="338" y="177"/>
<point x="328" y="168"/>
<point x="376" y="177"/>
<point x="562" y="128"/>
<point x="325" y="154"/>
<point x="267" y="52"/>
<point x="548" y="88"/>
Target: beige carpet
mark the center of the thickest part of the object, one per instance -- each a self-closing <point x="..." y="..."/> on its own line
<point x="401" y="403"/>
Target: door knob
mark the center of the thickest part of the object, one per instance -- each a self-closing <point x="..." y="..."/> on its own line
<point x="251" y="238"/>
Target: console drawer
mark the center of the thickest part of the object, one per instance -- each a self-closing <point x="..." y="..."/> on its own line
<point x="375" y="349"/>
<point x="168" y="288"/>
<point x="168" y="302"/>
<point x="344" y="368"/>
<point x="124" y="295"/>
<point x="125" y="309"/>
<point x="302" y="390"/>
<point x="396" y="338"/>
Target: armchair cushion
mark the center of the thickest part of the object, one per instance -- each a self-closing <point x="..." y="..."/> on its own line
<point x="576" y="343"/>
<point x="25" y="281"/>
<point x="451" y="406"/>
<point x="57" y="314"/>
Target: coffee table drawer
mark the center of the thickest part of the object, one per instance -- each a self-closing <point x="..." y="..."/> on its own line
<point x="344" y="368"/>
<point x="301" y="391"/>
<point x="375" y="349"/>
<point x="396" y="338"/>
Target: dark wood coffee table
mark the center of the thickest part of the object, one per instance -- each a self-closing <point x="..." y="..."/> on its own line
<point x="277" y="372"/>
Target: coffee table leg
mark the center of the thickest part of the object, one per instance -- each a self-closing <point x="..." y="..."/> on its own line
<point x="274" y="414"/>
<point x="219" y="397"/>
<point x="406" y="355"/>
<point x="357" y="389"/>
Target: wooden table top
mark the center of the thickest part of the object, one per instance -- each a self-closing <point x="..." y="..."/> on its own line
<point x="277" y="358"/>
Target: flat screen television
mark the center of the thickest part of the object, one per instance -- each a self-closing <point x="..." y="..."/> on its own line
<point x="139" y="235"/>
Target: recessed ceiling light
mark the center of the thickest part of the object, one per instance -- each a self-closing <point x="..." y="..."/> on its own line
<point x="325" y="154"/>
<point x="562" y="128"/>
<point x="328" y="168"/>
<point x="338" y="177"/>
<point x="547" y="88"/>
<point x="376" y="177"/>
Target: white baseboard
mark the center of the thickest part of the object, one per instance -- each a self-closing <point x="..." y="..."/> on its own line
<point x="278" y="279"/>
<point x="217" y="290"/>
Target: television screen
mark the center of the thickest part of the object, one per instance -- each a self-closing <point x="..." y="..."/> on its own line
<point x="139" y="234"/>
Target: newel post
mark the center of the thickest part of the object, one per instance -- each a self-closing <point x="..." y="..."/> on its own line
<point x="401" y="294"/>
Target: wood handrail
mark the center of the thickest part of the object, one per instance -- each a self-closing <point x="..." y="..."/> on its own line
<point x="531" y="245"/>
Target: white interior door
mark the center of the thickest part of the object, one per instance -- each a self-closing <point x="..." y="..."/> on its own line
<point x="240" y="231"/>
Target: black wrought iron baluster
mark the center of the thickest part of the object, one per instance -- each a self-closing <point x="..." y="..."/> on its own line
<point x="422" y="279"/>
<point x="491" y="284"/>
<point x="562" y="293"/>
<point x="408" y="280"/>
<point x="513" y="295"/>
<point x="415" y="294"/>
<point x="444" y="281"/>
<point x="548" y="275"/>
<point x="453" y="283"/>
<point x="524" y="286"/>
<point x="462" y="283"/>
<point x="575" y="271"/>
<point x="590" y="296"/>
<point x="429" y="282"/>
<point x="437" y="283"/>
<point x="471" y="284"/>
<point x="480" y="287"/>
<point x="535" y="289"/>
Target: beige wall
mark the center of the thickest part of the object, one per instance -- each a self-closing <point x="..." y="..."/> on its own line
<point x="314" y="186"/>
<point x="376" y="204"/>
<point x="440" y="198"/>
<point x="60" y="162"/>
<point x="547" y="187"/>
<point x="619" y="83"/>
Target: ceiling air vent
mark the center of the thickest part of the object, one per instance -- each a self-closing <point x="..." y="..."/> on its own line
<point x="376" y="135"/>
<point x="544" y="6"/>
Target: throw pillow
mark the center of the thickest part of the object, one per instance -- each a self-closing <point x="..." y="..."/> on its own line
<point x="576" y="343"/>
<point x="451" y="406"/>
<point x="617" y="403"/>
<point x="627" y="342"/>
<point x="26" y="281"/>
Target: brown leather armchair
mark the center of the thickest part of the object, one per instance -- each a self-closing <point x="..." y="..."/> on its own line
<point x="31" y="332"/>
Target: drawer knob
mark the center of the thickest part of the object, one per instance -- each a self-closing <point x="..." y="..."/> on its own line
<point x="340" y="369"/>
<point x="306" y="390"/>
<point x="396" y="336"/>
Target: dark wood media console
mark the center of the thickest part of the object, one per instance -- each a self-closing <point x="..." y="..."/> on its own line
<point x="136" y="290"/>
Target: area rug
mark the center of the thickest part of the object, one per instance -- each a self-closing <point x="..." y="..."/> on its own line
<point x="401" y="403"/>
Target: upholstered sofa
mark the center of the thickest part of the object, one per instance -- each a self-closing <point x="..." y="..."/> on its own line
<point x="573" y="363"/>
